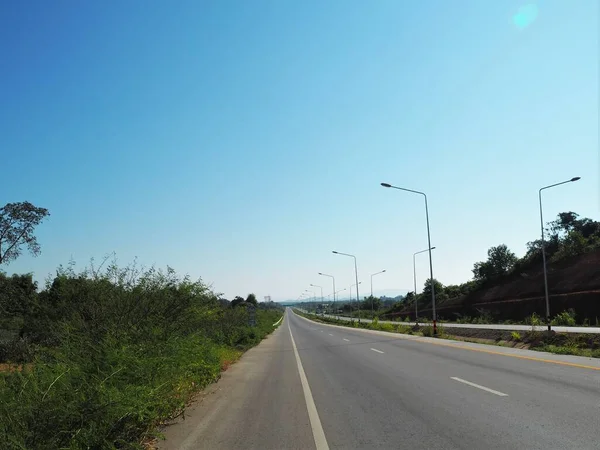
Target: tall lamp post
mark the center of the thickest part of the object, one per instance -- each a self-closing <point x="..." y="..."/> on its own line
<point x="336" y="293"/>
<point x="312" y="296"/>
<point x="356" y="275"/>
<point x="387" y="185"/>
<point x="320" y="287"/>
<point x="372" y="309"/>
<point x="332" y="279"/>
<point x="544" y="248"/>
<point x="415" y="280"/>
<point x="357" y="302"/>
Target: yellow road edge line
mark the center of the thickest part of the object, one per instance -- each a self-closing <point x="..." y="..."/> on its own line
<point x="481" y="350"/>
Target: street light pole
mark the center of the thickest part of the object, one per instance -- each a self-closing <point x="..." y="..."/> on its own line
<point x="356" y="275"/>
<point x="314" y="285"/>
<point x="333" y="279"/>
<point x="337" y="292"/>
<point x="358" y="304"/>
<point x="415" y="280"/>
<point x="372" y="309"/>
<point x="547" y="297"/>
<point x="313" y="297"/>
<point x="387" y="185"/>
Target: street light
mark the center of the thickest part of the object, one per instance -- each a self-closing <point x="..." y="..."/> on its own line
<point x="313" y="296"/>
<point x="333" y="279"/>
<point x="387" y="185"/>
<point x="415" y="280"/>
<point x="544" y="245"/>
<point x="336" y="293"/>
<point x="372" y="309"/>
<point x="358" y="303"/>
<point x="320" y="287"/>
<point x="356" y="275"/>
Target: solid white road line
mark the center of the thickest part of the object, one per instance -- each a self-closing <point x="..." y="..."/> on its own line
<point x="347" y="340"/>
<point x="313" y="414"/>
<point x="330" y="334"/>
<point x="375" y="350"/>
<point x="478" y="386"/>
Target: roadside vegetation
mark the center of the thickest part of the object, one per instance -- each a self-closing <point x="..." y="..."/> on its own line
<point x="560" y="343"/>
<point x="99" y="359"/>
<point x="104" y="356"/>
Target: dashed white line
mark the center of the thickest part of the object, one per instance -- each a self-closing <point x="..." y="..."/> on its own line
<point x="313" y="414"/>
<point x="478" y="386"/>
<point x="375" y="350"/>
<point x="347" y="340"/>
<point x="330" y="334"/>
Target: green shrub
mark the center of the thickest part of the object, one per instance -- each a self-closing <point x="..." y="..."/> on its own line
<point x="534" y="320"/>
<point x="515" y="336"/>
<point x="565" y="318"/>
<point x="119" y="352"/>
<point x="386" y="327"/>
<point x="427" y="331"/>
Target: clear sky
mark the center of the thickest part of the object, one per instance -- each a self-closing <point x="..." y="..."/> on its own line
<point x="242" y="141"/>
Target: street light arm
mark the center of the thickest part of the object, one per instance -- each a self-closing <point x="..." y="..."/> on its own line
<point x="403" y="189"/>
<point x="558" y="184"/>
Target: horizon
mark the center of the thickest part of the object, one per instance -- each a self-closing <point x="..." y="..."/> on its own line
<point x="242" y="145"/>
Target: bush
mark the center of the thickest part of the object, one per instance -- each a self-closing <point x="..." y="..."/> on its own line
<point x="515" y="336"/>
<point x="386" y="327"/>
<point x="565" y="318"/>
<point x="117" y="353"/>
<point x="534" y="320"/>
<point x="427" y="331"/>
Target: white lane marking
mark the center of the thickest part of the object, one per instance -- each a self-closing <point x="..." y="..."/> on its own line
<point x="375" y="350"/>
<point x="478" y="386"/>
<point x="347" y="340"/>
<point x="321" y="331"/>
<point x="330" y="334"/>
<point x="313" y="414"/>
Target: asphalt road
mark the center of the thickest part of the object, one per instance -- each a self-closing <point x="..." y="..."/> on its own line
<point x="491" y="326"/>
<point x="313" y="385"/>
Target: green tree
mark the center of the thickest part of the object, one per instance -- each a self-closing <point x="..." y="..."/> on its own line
<point x="252" y="299"/>
<point x="500" y="261"/>
<point x="237" y="301"/>
<point x="367" y="303"/>
<point x="425" y="296"/>
<point x="17" y="223"/>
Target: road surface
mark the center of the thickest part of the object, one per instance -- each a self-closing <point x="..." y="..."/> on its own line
<point x="317" y="386"/>
<point x="490" y="326"/>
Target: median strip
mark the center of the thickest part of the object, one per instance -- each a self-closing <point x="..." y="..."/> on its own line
<point x="478" y="386"/>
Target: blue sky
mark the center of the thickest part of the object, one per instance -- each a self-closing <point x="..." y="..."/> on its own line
<point x="242" y="141"/>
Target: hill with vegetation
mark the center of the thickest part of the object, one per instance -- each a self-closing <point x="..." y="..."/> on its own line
<point x="505" y="287"/>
